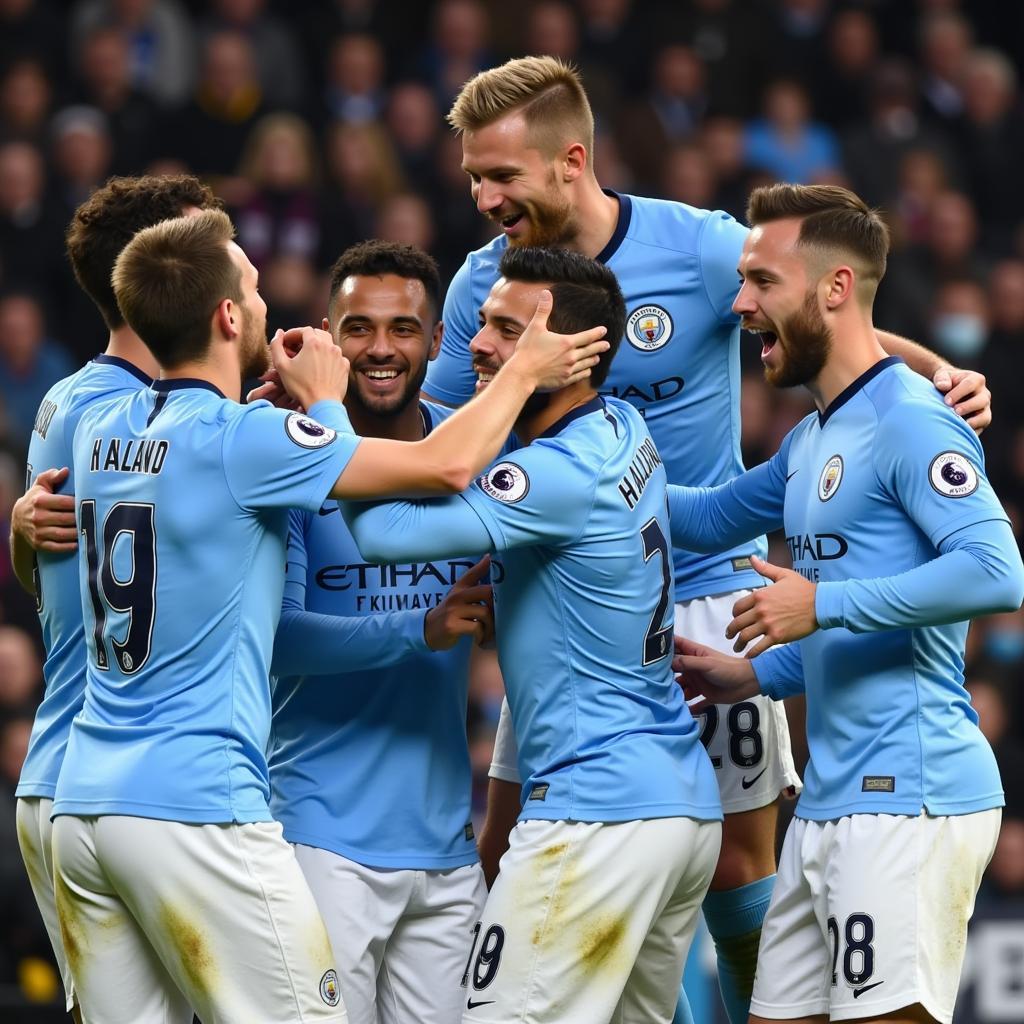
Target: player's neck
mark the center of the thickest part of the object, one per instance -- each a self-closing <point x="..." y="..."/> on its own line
<point x="597" y="214"/>
<point x="531" y="425"/>
<point x="125" y="344"/>
<point x="854" y="351"/>
<point x="221" y="370"/>
<point x="406" y="425"/>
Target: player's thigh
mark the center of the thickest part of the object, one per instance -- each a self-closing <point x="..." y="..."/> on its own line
<point x="652" y="989"/>
<point x="748" y="742"/>
<point x="361" y="907"/>
<point x="567" y="916"/>
<point x="900" y="892"/>
<point x="35" y="832"/>
<point x="119" y="978"/>
<point x="420" y="979"/>
<point x="794" y="960"/>
<point x="230" y="914"/>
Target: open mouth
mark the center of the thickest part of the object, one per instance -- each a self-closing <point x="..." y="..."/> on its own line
<point x="768" y="341"/>
<point x="484" y="376"/>
<point x="380" y="376"/>
<point x="508" y="223"/>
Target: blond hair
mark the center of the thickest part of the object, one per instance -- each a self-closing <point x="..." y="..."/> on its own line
<point x="548" y="91"/>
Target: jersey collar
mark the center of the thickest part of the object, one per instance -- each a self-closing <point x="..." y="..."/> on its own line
<point x="104" y="360"/>
<point x="594" y="405"/>
<point x="621" y="225"/>
<point x="180" y="383"/>
<point x="851" y="389"/>
<point x="426" y="418"/>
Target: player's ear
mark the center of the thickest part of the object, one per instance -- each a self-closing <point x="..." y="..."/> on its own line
<point x="574" y="162"/>
<point x="327" y="325"/>
<point x="227" y="319"/>
<point x="840" y="284"/>
<point x="435" y="341"/>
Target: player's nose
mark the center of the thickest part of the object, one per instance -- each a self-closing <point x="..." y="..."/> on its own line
<point x="488" y="197"/>
<point x="743" y="303"/>
<point x="380" y="344"/>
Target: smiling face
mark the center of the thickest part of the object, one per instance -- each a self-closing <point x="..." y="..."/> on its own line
<point x="387" y="330"/>
<point x="516" y="185"/>
<point x="778" y="301"/>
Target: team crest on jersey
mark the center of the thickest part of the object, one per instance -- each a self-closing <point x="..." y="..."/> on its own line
<point x="953" y="475"/>
<point x="649" y="328"/>
<point x="831" y="477"/>
<point x="506" y="482"/>
<point x="329" y="991"/>
<point x="307" y="433"/>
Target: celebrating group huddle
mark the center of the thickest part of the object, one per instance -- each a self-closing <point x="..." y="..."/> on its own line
<point x="247" y="791"/>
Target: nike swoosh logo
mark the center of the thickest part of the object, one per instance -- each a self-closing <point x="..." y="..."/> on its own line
<point x="472" y="1004"/>
<point x="789" y="476"/>
<point x="867" y="988"/>
<point x="747" y="783"/>
<point x="327" y="511"/>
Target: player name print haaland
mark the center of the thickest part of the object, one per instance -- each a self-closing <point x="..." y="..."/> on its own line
<point x="953" y="475"/>
<point x="307" y="432"/>
<point x="649" y="328"/>
<point x="505" y="482"/>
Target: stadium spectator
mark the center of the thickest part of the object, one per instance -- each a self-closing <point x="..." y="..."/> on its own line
<point x="960" y="322"/>
<point x="33" y="29"/>
<point x="354" y="91"/>
<point x="81" y="156"/>
<point x="25" y="95"/>
<point x="20" y="673"/>
<point x="842" y="84"/>
<point x="406" y="218"/>
<point x="944" y="41"/>
<point x="29" y="361"/>
<point x="458" y="47"/>
<point x="688" y="176"/>
<point x="415" y="126"/>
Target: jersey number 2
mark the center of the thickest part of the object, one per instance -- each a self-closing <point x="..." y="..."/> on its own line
<point x="135" y="595"/>
<point x="658" y="641"/>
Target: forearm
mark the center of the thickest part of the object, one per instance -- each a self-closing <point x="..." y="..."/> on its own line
<point x="414" y="531"/>
<point x="503" y="809"/>
<point x="780" y="671"/>
<point x="310" y="643"/>
<point x="976" y="576"/>
<point x="23" y="560"/>
<point x="714" y="518"/>
<point x="920" y="359"/>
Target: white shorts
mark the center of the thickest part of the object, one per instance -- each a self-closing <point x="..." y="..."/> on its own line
<point x="748" y="743"/>
<point x="400" y="936"/>
<point x="590" y="922"/>
<point x="160" y="918"/>
<point x="869" y="914"/>
<point x="34" y="835"/>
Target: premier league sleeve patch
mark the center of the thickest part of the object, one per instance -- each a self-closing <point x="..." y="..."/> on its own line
<point x="505" y="482"/>
<point x="306" y="432"/>
<point x="953" y="475"/>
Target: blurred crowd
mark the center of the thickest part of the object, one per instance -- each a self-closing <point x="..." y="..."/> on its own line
<point x="321" y="124"/>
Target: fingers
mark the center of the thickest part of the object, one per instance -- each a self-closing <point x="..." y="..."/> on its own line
<point x="760" y="647"/>
<point x="745" y="636"/>
<point x="279" y="352"/>
<point x="51" y="479"/>
<point x="740" y="622"/>
<point x="539" y="319"/>
<point x="766" y="569"/>
<point x="57" y="505"/>
<point x="741" y="607"/>
<point x="943" y="379"/>
<point x="469" y="597"/>
<point x="475" y="573"/>
<point x="58" y="548"/>
<point x="268" y="391"/>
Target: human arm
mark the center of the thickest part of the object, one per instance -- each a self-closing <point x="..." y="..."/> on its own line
<point x="41" y="520"/>
<point x="503" y="807"/>
<point x="714" y="518"/>
<point x="450" y="378"/>
<point x="966" y="391"/>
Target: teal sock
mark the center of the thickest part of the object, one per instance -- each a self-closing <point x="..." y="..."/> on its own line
<point x="734" y="919"/>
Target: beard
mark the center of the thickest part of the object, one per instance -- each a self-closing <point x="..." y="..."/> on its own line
<point x="255" y="352"/>
<point x="385" y="406"/>
<point x="553" y="222"/>
<point x="806" y="348"/>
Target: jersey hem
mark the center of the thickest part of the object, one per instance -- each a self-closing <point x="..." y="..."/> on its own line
<point x="633" y="812"/>
<point x="722" y="584"/>
<point x="942" y="809"/>
<point x="39" y="789"/>
<point x="372" y="860"/>
<point x="182" y="815"/>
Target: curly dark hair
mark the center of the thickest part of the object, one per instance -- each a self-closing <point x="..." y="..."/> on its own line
<point x="375" y="257"/>
<point x="108" y="220"/>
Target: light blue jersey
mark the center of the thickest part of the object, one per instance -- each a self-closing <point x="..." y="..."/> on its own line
<point x="678" y="362"/>
<point x="887" y="509"/>
<point x="56" y="578"/>
<point x="368" y="754"/>
<point x="182" y="502"/>
<point x="583" y="615"/>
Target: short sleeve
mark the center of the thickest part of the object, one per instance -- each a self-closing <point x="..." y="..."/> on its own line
<point x="932" y="463"/>
<point x="450" y="376"/>
<point x="275" y="459"/>
<point x="721" y="243"/>
<point x="540" y="495"/>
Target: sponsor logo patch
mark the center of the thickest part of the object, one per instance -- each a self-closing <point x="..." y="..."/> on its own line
<point x="306" y="432"/>
<point x="539" y="792"/>
<point x="831" y="477"/>
<point x="953" y="475"/>
<point x="649" y="328"/>
<point x="468" y="832"/>
<point x="740" y="564"/>
<point x="878" y="784"/>
<point x="329" y="991"/>
<point x="505" y="482"/>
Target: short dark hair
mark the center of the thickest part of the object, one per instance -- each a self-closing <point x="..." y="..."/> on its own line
<point x="831" y="218"/>
<point x="108" y="220"/>
<point x="584" y="294"/>
<point x="171" y="277"/>
<point x="375" y="258"/>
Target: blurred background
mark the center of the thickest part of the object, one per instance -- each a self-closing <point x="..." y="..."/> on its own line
<point x="321" y="123"/>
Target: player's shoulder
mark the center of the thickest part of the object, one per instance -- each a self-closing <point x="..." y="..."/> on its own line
<point x="434" y="413"/>
<point x="480" y="266"/>
<point x="679" y="227"/>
